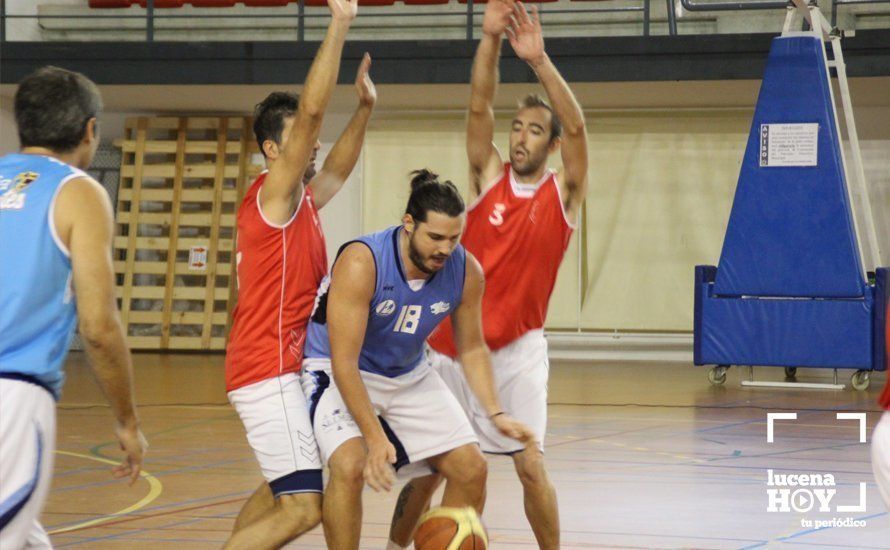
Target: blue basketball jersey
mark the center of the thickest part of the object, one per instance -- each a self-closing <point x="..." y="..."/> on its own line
<point x="399" y="318"/>
<point x="37" y="310"/>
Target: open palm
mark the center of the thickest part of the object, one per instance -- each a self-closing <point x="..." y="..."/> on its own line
<point x="343" y="9"/>
<point x="497" y="16"/>
<point x="367" y="92"/>
<point x="525" y="34"/>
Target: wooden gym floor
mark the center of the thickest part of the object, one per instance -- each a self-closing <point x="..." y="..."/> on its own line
<point x="642" y="455"/>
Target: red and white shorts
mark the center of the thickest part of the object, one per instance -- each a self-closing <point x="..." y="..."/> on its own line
<point x="276" y="417"/>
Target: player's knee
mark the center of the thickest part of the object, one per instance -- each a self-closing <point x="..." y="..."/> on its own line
<point x="471" y="470"/>
<point x="530" y="467"/>
<point x="348" y="467"/>
<point x="477" y="472"/>
<point x="302" y="511"/>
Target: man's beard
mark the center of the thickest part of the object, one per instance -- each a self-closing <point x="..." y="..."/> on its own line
<point x="529" y="166"/>
<point x="417" y="259"/>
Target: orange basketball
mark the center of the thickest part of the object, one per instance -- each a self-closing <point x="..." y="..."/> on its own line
<point x="450" y="529"/>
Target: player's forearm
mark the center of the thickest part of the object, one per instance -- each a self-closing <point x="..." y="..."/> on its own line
<point x="477" y="368"/>
<point x="484" y="75"/>
<point x="355" y="397"/>
<point x="306" y="128"/>
<point x="480" y="115"/>
<point x="561" y="97"/>
<point x="322" y="75"/>
<point x="341" y="160"/>
<point x="112" y="366"/>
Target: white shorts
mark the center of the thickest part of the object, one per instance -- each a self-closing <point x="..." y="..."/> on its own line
<point x="418" y="413"/>
<point x="880" y="456"/>
<point x="521" y="370"/>
<point x="27" y="442"/>
<point x="276" y="417"/>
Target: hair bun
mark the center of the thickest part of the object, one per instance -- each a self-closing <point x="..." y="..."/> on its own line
<point x="422" y="177"/>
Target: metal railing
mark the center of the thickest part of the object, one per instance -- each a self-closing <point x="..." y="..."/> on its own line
<point x="692" y="6"/>
<point x="151" y="15"/>
<point x="837" y="3"/>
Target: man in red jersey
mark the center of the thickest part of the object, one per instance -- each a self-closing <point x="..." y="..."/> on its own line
<point x="880" y="439"/>
<point x="281" y="260"/>
<point x="518" y="228"/>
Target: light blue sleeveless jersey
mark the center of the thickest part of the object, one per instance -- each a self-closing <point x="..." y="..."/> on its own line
<point x="37" y="310"/>
<point x="399" y="319"/>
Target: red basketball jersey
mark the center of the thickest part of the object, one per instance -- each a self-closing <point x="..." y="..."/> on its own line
<point x="885" y="397"/>
<point x="519" y="233"/>
<point x="279" y="270"/>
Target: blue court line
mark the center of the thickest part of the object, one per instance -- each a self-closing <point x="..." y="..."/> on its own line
<point x="156" y="474"/>
<point x="96" y="450"/>
<point x="628" y="478"/>
<point x="814" y="461"/>
<point x="175" y="460"/>
<point x="129" y="533"/>
<point x="155" y="539"/>
<point x="79" y="470"/>
<point x="730" y="425"/>
<point x="779" y="453"/>
<point x="635" y="534"/>
<point x="689" y="464"/>
<point x="690" y="481"/>
<point x="811" y="531"/>
<point x="591" y="437"/>
<point x="161" y="507"/>
<point x="801" y="412"/>
<point x="712" y="462"/>
<point x="301" y="543"/>
<point x="751" y="436"/>
<point x="576" y="532"/>
<point x="753" y="456"/>
<point x="858" y="547"/>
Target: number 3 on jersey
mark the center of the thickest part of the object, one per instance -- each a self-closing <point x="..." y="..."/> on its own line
<point x="409" y="318"/>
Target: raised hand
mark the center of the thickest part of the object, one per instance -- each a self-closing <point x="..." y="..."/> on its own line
<point x="497" y="16"/>
<point x="343" y="10"/>
<point x="367" y="92"/>
<point x="525" y="35"/>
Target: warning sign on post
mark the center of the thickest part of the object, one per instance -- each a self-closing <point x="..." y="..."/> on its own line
<point x="789" y="144"/>
<point x="198" y="258"/>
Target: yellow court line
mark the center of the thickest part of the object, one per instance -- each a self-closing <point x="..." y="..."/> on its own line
<point x="155" y="490"/>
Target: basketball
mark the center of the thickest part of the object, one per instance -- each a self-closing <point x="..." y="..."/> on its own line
<point x="450" y="529"/>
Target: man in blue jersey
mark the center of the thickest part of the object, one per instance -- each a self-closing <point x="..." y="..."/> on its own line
<point x="56" y="230"/>
<point x="374" y="402"/>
